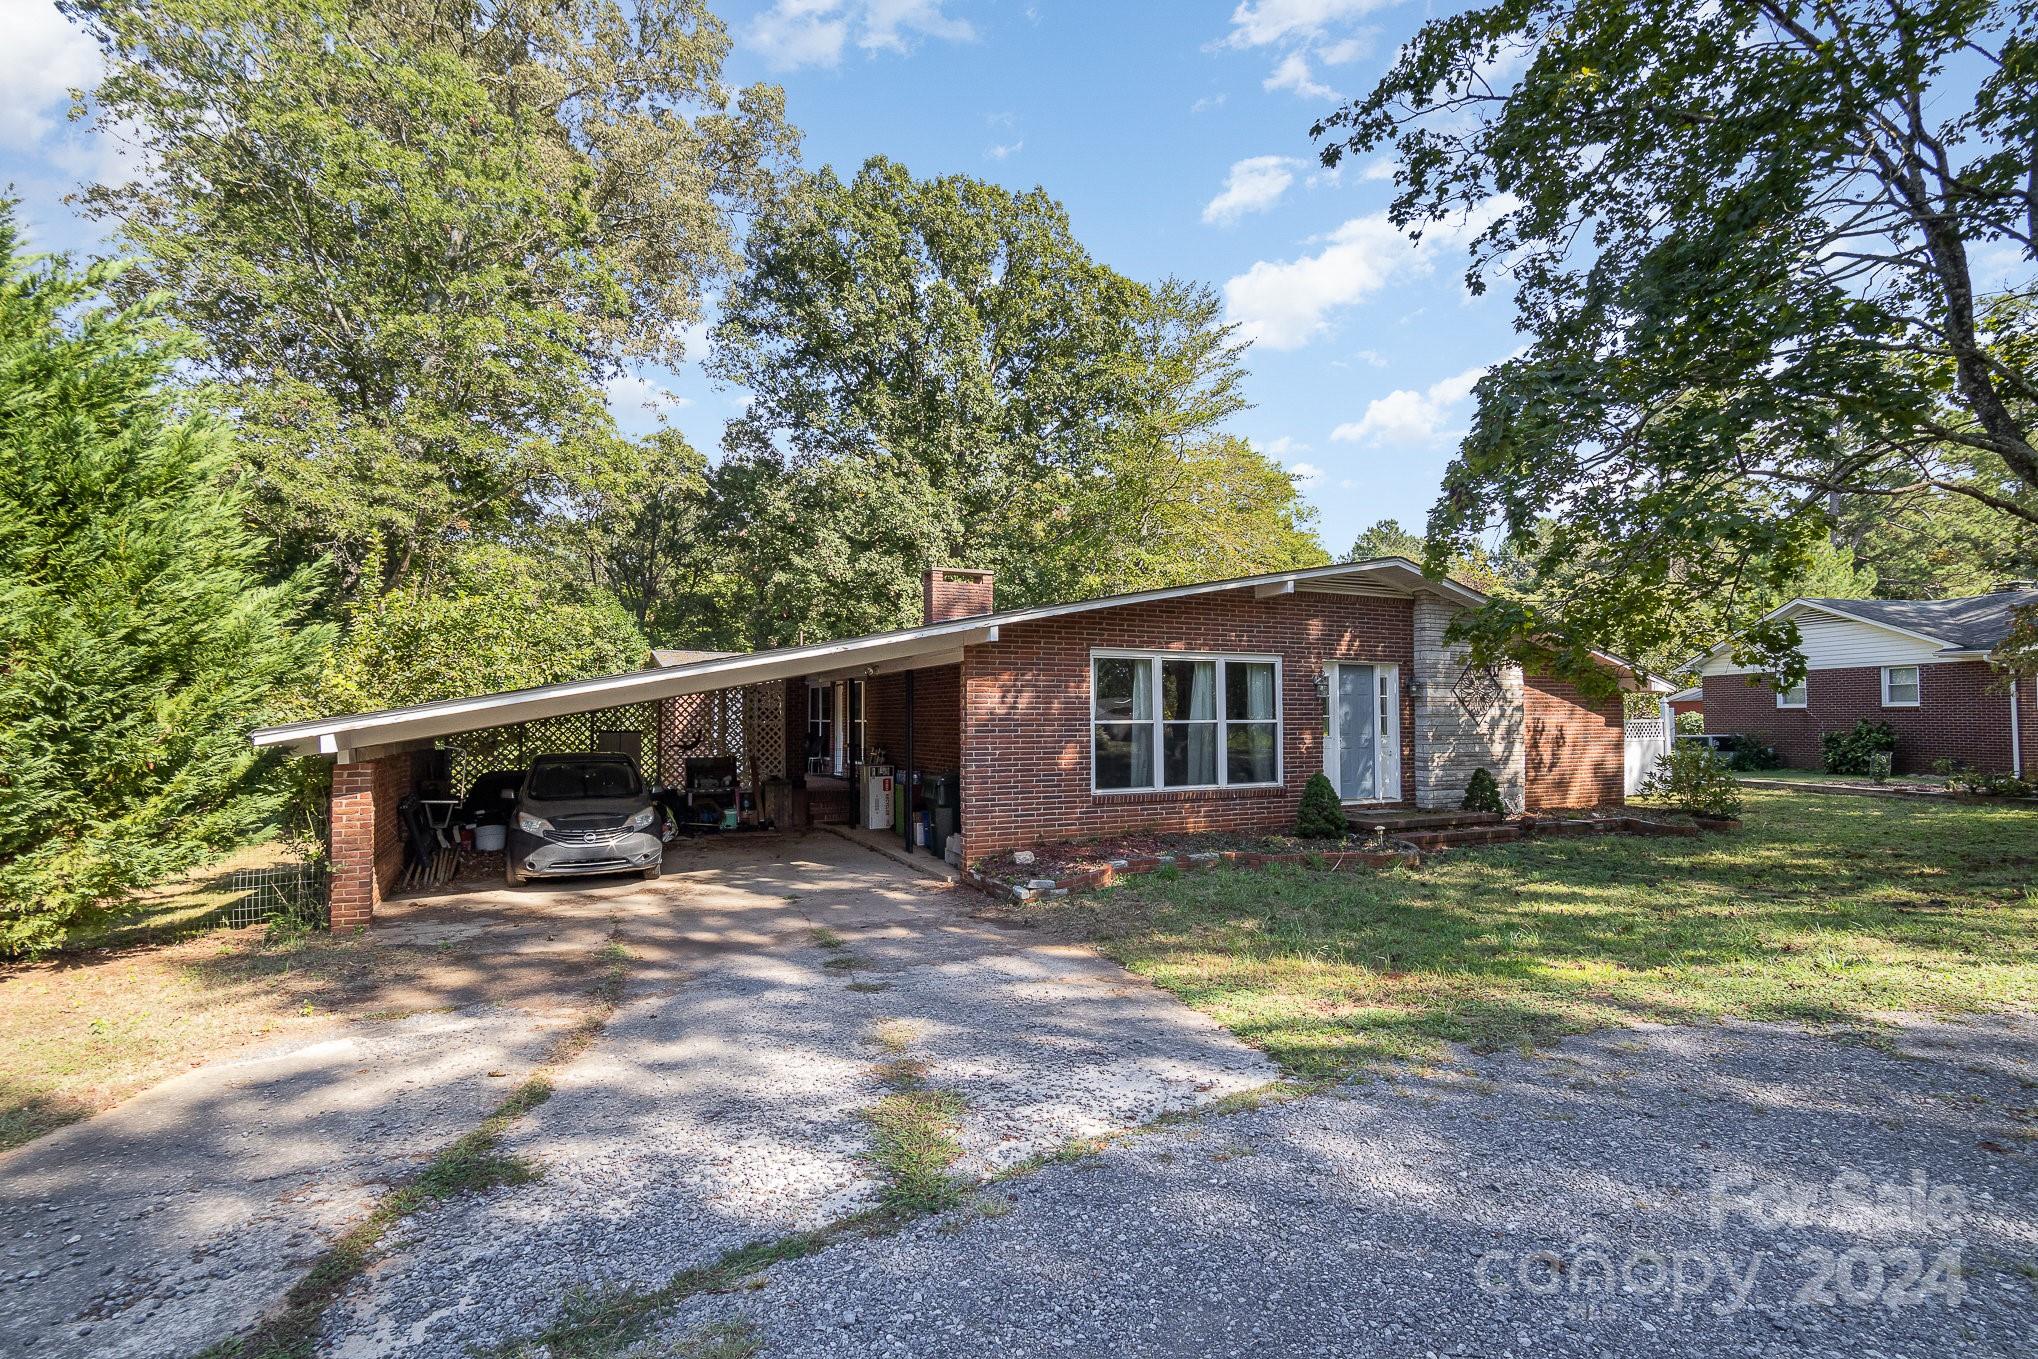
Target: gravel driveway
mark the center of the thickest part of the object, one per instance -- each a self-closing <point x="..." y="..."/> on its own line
<point x="1726" y="1176"/>
<point x="724" y="1103"/>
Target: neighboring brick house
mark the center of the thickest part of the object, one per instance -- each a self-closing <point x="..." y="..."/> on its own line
<point x="1198" y="707"/>
<point x="1922" y="665"/>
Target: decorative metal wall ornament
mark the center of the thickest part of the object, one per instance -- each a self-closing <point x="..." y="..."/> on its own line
<point x="1479" y="689"/>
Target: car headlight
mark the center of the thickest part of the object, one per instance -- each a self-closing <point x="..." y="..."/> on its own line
<point x="532" y="825"/>
<point x="642" y="820"/>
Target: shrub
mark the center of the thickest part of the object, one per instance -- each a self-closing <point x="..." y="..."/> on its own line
<point x="1482" y="794"/>
<point x="1853" y="751"/>
<point x="1323" y="814"/>
<point x="1754" y="754"/>
<point x="1693" y="779"/>
<point x="1691" y="724"/>
<point x="1991" y="785"/>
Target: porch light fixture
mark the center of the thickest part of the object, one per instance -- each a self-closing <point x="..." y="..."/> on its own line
<point x="1321" y="683"/>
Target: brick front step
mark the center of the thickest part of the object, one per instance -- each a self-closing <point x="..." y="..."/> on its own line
<point x="831" y="807"/>
<point x="1400" y="821"/>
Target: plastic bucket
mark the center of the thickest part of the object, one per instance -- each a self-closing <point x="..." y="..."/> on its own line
<point x="489" y="839"/>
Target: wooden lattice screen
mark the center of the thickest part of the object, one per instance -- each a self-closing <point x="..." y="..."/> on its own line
<point x="747" y="723"/>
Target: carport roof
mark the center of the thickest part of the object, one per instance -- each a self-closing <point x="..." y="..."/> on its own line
<point x="879" y="653"/>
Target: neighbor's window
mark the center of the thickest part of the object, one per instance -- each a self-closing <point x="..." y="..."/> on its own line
<point x="1899" y="686"/>
<point x="1796" y="696"/>
<point x="1173" y="721"/>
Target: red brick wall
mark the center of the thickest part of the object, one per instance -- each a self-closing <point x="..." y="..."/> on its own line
<point x="367" y="838"/>
<point x="937" y="717"/>
<point x="1961" y="715"/>
<point x="952" y="593"/>
<point x="1026" y="712"/>
<point x="1574" y="746"/>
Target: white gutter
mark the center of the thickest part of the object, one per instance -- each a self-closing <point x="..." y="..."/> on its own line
<point x="2017" y="736"/>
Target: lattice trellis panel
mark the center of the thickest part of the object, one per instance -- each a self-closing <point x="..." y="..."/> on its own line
<point x="747" y="723"/>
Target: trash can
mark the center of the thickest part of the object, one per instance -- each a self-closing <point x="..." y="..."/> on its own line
<point x="944" y="799"/>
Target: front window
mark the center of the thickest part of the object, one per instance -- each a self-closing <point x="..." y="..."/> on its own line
<point x="1899" y="686"/>
<point x="1796" y="696"/>
<point x="1171" y="721"/>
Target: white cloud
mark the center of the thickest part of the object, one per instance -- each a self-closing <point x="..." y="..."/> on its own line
<point x="1283" y="446"/>
<point x="1286" y="304"/>
<point x="1209" y="102"/>
<point x="1258" y="23"/>
<point x="1255" y="184"/>
<point x="1378" y="170"/>
<point x="634" y="396"/>
<point x="44" y="58"/>
<point x="813" y="32"/>
<point x="1410" y="419"/>
<point x="887" y="24"/>
<point x="1306" y="473"/>
<point x="1293" y="74"/>
<point x="1004" y="149"/>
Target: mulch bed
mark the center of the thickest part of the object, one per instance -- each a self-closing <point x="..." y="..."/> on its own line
<point x="1056" y="870"/>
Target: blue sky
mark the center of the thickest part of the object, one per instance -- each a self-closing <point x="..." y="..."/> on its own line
<point x="1177" y="134"/>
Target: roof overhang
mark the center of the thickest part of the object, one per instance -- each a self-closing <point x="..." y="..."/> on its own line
<point x="343" y="737"/>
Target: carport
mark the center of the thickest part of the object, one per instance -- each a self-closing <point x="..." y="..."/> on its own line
<point x="799" y="722"/>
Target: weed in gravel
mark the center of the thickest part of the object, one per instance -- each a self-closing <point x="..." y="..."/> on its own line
<point x="894" y="1035"/>
<point x="474" y="1163"/>
<point x="840" y="963"/>
<point x="826" y="938"/>
<point x="868" y="987"/>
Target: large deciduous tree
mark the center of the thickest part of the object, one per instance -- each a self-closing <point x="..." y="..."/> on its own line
<point x="416" y="236"/>
<point x="1768" y="253"/>
<point x="137" y="640"/>
<point x="941" y="375"/>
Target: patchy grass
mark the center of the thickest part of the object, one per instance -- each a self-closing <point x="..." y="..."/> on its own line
<point x="826" y="938"/>
<point x="1822" y="909"/>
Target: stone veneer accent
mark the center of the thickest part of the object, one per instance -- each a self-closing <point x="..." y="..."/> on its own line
<point x="1451" y="741"/>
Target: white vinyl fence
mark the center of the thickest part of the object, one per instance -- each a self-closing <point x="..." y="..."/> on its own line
<point x="1648" y="740"/>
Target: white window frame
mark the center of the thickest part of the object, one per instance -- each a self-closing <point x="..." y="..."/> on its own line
<point x="1782" y="694"/>
<point x="1156" y="722"/>
<point x="1917" y="685"/>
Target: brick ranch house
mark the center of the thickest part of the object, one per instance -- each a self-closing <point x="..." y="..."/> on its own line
<point x="1921" y="665"/>
<point x="1199" y="707"/>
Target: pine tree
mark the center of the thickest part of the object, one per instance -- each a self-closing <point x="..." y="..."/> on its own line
<point x="1322" y="814"/>
<point x="137" y="642"/>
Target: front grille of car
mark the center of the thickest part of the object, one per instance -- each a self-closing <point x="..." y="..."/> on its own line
<point x="588" y="829"/>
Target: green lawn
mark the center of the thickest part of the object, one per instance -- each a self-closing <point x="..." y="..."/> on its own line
<point x="1822" y="909"/>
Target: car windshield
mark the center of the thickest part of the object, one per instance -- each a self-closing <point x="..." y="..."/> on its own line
<point x="563" y="780"/>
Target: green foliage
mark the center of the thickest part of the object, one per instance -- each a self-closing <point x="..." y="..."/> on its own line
<point x="1482" y="794"/>
<point x="137" y="642"/>
<point x="1691" y="724"/>
<point x="1693" y="779"/>
<point x="492" y="619"/>
<point x="940" y="374"/>
<point x="1755" y="753"/>
<point x="1978" y="784"/>
<point x="416" y="239"/>
<point x="1853" y="751"/>
<point x="1749" y="247"/>
<point x="1322" y="815"/>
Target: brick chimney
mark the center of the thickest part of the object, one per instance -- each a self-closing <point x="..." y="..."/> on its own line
<point x="950" y="592"/>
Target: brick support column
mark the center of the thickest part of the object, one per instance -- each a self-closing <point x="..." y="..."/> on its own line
<point x="1459" y="725"/>
<point x="367" y="844"/>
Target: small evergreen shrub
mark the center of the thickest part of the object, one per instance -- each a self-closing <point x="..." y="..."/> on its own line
<point x="1691" y="724"/>
<point x="1853" y="751"/>
<point x="1323" y="814"/>
<point x="1754" y="754"/>
<point x="1482" y="794"/>
<point x="1694" y="780"/>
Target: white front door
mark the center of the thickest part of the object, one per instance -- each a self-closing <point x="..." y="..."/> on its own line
<point x="1362" y="749"/>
